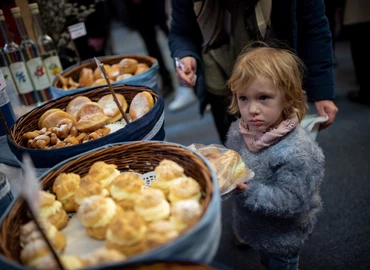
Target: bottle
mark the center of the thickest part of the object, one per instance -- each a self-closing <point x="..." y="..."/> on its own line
<point x="17" y="66"/>
<point x="33" y="60"/>
<point x="6" y="110"/>
<point x="10" y="86"/>
<point x="46" y="45"/>
<point x="6" y="196"/>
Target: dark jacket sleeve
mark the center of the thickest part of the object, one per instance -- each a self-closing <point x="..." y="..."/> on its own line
<point x="185" y="39"/>
<point x="315" y="49"/>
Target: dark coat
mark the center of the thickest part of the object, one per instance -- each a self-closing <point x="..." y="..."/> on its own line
<point x="302" y="25"/>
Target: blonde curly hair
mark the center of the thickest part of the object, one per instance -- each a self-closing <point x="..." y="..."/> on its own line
<point x="281" y="66"/>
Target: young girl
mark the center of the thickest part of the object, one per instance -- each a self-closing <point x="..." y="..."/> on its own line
<point x="276" y="211"/>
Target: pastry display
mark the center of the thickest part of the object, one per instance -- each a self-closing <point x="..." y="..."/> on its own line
<point x="110" y="107"/>
<point x="140" y="105"/>
<point x="184" y="188"/>
<point x="103" y="173"/>
<point x="103" y="256"/>
<point x="126" y="233"/>
<point x="65" y="187"/>
<point x="95" y="213"/>
<point x="87" y="189"/>
<point x="159" y="233"/>
<point x="166" y="172"/>
<point x="146" y="220"/>
<point x="151" y="204"/>
<point x="185" y="214"/>
<point x="52" y="209"/>
<point x="125" y="188"/>
<point x="29" y="233"/>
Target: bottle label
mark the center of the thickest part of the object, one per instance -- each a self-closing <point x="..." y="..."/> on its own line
<point x="8" y="77"/>
<point x="37" y="72"/>
<point x="53" y="67"/>
<point x="21" y="77"/>
<point x="4" y="99"/>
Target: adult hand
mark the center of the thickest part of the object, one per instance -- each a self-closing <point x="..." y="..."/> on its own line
<point x="188" y="77"/>
<point x="326" y="107"/>
<point x="241" y="187"/>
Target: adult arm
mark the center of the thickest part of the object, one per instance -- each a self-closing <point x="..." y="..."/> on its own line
<point x="315" y="49"/>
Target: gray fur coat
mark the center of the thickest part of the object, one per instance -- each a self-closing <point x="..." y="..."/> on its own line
<point x="277" y="212"/>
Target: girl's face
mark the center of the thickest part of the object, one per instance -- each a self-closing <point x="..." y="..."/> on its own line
<point x="261" y="105"/>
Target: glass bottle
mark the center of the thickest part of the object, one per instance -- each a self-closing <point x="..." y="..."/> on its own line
<point x="6" y="110"/>
<point x="10" y="86"/>
<point x="46" y="45"/>
<point x="33" y="60"/>
<point x="17" y="65"/>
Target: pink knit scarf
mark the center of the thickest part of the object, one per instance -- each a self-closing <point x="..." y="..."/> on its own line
<point x="258" y="140"/>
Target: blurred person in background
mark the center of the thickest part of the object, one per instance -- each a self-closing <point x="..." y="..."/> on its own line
<point x="357" y="20"/>
<point x="209" y="35"/>
<point x="144" y="15"/>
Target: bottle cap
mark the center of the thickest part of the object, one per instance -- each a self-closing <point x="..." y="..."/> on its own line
<point x="16" y="11"/>
<point x="34" y="8"/>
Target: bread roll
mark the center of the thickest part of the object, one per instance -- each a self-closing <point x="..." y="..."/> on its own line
<point x="127" y="65"/>
<point x="52" y="210"/>
<point x="125" y="188"/>
<point x="97" y="74"/>
<point x="110" y="107"/>
<point x="91" y="117"/>
<point x="122" y="77"/>
<point x="103" y="173"/>
<point x="96" y="213"/>
<point x="152" y="205"/>
<point x="53" y="119"/>
<point x="75" y="105"/>
<point x="65" y="187"/>
<point x="114" y="72"/>
<point x="142" y="67"/>
<point x="140" y="105"/>
<point x="86" y="77"/>
<point x="45" y="114"/>
<point x="126" y="233"/>
<point x="100" y="81"/>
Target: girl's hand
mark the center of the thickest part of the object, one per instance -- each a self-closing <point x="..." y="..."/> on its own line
<point x="241" y="187"/>
<point x="187" y="76"/>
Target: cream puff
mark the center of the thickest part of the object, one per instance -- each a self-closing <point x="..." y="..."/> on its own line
<point x="125" y="188"/>
<point x="29" y="233"/>
<point x="103" y="256"/>
<point x="65" y="187"/>
<point x="33" y="252"/>
<point x="52" y="210"/>
<point x="166" y="172"/>
<point x="110" y="107"/>
<point x="95" y="213"/>
<point x="126" y="233"/>
<point x="159" y="233"/>
<point x="103" y="173"/>
<point x="151" y="204"/>
<point x="87" y="189"/>
<point x="184" y="214"/>
<point x="184" y="188"/>
<point x="69" y="262"/>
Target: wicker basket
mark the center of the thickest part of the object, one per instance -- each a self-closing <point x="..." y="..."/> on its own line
<point x="74" y="72"/>
<point x="140" y="157"/>
<point x="135" y="131"/>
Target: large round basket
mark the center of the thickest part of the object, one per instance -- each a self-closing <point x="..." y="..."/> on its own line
<point x="148" y="78"/>
<point x="148" y="127"/>
<point x="199" y="243"/>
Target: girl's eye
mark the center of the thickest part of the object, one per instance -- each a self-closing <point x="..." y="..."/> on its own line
<point x="243" y="98"/>
<point x="264" y="98"/>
